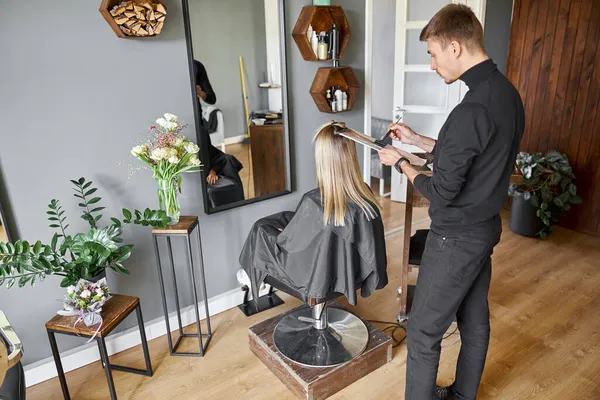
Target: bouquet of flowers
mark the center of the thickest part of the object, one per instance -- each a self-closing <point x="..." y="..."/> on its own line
<point x="168" y="154"/>
<point x="86" y="300"/>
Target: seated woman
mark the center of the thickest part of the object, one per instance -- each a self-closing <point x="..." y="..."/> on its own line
<point x="333" y="242"/>
<point x="216" y="163"/>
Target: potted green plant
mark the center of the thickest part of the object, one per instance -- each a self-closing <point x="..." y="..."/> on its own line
<point x="547" y="191"/>
<point x="82" y="256"/>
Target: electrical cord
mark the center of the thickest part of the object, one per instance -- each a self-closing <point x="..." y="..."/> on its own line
<point x="394" y="326"/>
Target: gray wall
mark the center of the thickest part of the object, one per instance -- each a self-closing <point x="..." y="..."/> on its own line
<point x="221" y="32"/>
<point x="75" y="98"/>
<point x="384" y="28"/>
<point x="498" y="17"/>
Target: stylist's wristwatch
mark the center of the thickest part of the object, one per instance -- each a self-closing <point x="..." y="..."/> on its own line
<point x="397" y="165"/>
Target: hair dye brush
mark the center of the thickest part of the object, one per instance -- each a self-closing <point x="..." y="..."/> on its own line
<point x="341" y="129"/>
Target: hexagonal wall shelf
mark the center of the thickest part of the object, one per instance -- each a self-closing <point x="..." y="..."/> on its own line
<point x="134" y="18"/>
<point x="330" y="76"/>
<point x="321" y="18"/>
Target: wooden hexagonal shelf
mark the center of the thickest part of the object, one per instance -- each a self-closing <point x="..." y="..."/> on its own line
<point x="326" y="77"/>
<point x="134" y="18"/>
<point x="321" y="18"/>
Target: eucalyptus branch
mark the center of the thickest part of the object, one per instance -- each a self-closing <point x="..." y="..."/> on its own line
<point x="81" y="186"/>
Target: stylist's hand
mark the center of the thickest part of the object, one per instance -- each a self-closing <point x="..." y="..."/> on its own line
<point x="200" y="93"/>
<point x="389" y="155"/>
<point x="212" y="177"/>
<point x="404" y="134"/>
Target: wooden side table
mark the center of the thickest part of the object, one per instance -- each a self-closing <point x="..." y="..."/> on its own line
<point x="114" y="312"/>
<point x="184" y="228"/>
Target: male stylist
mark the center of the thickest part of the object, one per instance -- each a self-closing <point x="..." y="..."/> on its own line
<point x="473" y="160"/>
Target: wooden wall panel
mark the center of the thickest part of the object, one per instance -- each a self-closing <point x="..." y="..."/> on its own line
<point x="554" y="61"/>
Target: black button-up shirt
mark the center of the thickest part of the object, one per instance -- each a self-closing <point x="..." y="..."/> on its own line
<point x="475" y="152"/>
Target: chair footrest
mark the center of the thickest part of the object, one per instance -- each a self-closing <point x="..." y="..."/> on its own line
<point x="263" y="303"/>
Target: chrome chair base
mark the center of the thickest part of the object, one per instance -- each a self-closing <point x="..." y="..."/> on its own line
<point x="343" y="336"/>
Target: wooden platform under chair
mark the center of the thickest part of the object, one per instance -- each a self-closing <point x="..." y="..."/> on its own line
<point x="313" y="383"/>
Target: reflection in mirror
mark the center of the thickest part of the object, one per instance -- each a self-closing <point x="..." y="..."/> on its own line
<point x="238" y="73"/>
<point x="4" y="237"/>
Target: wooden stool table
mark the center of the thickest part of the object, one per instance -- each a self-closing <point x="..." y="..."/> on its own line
<point x="114" y="312"/>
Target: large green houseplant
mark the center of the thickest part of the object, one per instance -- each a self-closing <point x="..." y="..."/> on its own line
<point x="80" y="256"/>
<point x="548" y="190"/>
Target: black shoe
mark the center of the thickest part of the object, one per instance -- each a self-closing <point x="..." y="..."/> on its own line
<point x="444" y="393"/>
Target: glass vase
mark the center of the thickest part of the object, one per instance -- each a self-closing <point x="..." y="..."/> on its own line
<point x="168" y="200"/>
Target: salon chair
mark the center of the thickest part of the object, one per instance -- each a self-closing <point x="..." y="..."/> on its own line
<point x="318" y="335"/>
<point x="224" y="191"/>
<point x="12" y="377"/>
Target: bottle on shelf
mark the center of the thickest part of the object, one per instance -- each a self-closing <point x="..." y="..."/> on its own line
<point x="338" y="100"/>
<point x="344" y="101"/>
<point x="314" y="42"/>
<point x="334" y="106"/>
<point x="309" y="33"/>
<point x="334" y="42"/>
<point x="323" y="50"/>
<point x="328" y="97"/>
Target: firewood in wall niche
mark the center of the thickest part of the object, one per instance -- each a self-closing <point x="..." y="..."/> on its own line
<point x="139" y="19"/>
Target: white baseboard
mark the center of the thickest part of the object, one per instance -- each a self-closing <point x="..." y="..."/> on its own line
<point x="234" y="139"/>
<point x="78" y="357"/>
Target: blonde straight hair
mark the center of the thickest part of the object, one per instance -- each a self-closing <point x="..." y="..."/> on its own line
<point x="339" y="176"/>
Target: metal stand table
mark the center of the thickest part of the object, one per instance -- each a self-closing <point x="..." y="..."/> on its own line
<point x="184" y="228"/>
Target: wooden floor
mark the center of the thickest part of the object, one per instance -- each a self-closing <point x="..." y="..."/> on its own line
<point x="545" y="342"/>
<point x="3" y="237"/>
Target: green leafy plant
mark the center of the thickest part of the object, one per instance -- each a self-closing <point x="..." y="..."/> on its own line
<point x="79" y="256"/>
<point x="548" y="182"/>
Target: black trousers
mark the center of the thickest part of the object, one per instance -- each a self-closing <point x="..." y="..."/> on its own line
<point x="454" y="280"/>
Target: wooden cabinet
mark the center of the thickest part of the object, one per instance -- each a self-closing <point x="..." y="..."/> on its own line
<point x="268" y="159"/>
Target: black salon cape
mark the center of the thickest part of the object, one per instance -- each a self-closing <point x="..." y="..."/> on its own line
<point x="317" y="259"/>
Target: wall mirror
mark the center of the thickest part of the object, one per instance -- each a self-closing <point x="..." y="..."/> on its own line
<point x="236" y="52"/>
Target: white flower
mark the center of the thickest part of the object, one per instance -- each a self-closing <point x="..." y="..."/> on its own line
<point x="191" y="147"/>
<point x="85" y="294"/>
<point x="99" y="291"/>
<point x="137" y="150"/>
<point x="71" y="289"/>
<point x="194" y="160"/>
<point x="170" y="117"/>
<point x="171" y="152"/>
<point x="168" y="125"/>
<point x="159" y="153"/>
<point x="173" y="159"/>
<point x="178" y="142"/>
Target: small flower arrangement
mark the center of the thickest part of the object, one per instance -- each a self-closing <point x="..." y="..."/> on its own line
<point x="86" y="299"/>
<point x="88" y="296"/>
<point x="169" y="155"/>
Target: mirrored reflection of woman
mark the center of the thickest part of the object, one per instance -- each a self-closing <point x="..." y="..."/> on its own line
<point x="217" y="163"/>
<point x="334" y="241"/>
